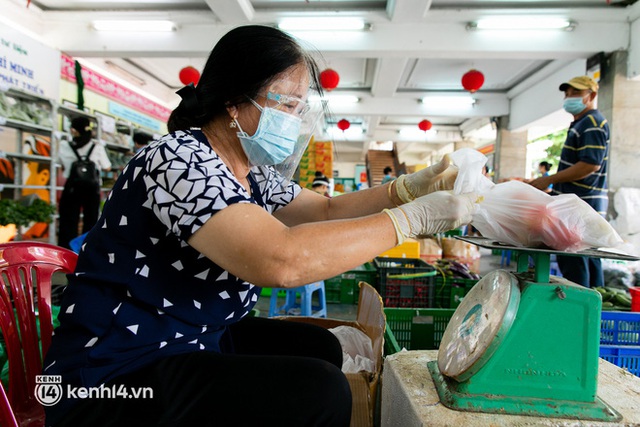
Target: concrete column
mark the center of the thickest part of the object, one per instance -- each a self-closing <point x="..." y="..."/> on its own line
<point x="510" y="160"/>
<point x="619" y="102"/>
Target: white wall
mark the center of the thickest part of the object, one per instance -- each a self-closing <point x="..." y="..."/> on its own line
<point x="633" y="70"/>
<point x="346" y="169"/>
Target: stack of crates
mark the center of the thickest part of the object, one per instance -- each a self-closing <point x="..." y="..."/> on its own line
<point x="344" y="289"/>
<point x="620" y="339"/>
<point x="449" y="291"/>
<point x="406" y="282"/>
<point x="318" y="157"/>
<point x="414" y="329"/>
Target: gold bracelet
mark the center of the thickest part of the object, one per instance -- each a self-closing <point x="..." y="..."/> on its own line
<point x="389" y="193"/>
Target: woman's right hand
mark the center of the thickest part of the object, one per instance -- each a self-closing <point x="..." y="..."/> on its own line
<point x="433" y="213"/>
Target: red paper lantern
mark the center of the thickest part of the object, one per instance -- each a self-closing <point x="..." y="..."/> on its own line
<point x="472" y="80"/>
<point x="344" y="124"/>
<point x="425" y="125"/>
<point x="329" y="79"/>
<point x="189" y="75"/>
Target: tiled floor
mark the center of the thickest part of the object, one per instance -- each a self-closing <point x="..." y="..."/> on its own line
<point x="488" y="263"/>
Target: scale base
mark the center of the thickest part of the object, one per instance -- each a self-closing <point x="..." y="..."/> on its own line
<point x="532" y="406"/>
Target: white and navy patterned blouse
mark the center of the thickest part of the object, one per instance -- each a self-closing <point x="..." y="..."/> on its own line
<point x="140" y="292"/>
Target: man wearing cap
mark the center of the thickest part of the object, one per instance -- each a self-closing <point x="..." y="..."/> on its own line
<point x="582" y="169"/>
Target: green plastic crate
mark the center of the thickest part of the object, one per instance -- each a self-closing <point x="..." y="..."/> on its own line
<point x="344" y="289"/>
<point x="332" y="290"/>
<point x="450" y="291"/>
<point x="415" y="328"/>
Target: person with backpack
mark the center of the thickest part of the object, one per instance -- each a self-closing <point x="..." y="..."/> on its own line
<point x="82" y="159"/>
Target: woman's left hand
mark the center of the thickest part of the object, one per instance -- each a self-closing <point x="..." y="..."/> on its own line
<point x="438" y="177"/>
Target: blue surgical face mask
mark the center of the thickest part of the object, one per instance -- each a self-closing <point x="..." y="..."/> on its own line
<point x="274" y="140"/>
<point x="573" y="105"/>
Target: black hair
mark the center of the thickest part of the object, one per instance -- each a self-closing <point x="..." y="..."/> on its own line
<point x="141" y="138"/>
<point x="82" y="126"/>
<point x="387" y="170"/>
<point x="243" y="61"/>
<point x="546" y="165"/>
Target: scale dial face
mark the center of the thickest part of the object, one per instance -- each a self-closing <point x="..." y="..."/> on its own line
<point x="478" y="325"/>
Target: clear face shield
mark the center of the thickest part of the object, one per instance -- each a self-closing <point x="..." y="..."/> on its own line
<point x="310" y="120"/>
<point x="289" y="133"/>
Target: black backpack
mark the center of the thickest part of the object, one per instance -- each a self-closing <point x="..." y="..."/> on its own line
<point x="84" y="173"/>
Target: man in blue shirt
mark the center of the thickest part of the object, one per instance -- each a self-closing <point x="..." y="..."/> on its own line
<point x="582" y="169"/>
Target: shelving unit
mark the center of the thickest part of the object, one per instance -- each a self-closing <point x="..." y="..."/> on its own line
<point x="19" y="157"/>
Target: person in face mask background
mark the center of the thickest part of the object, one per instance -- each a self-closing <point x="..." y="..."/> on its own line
<point x="196" y="225"/>
<point x="583" y="168"/>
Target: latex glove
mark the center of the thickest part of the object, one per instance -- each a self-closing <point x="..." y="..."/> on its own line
<point x="438" y="177"/>
<point x="433" y="213"/>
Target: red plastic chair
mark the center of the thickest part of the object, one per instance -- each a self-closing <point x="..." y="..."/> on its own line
<point x="26" y="267"/>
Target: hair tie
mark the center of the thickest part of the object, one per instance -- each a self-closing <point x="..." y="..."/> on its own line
<point x="190" y="100"/>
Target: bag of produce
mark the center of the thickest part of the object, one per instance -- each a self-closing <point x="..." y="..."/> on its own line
<point x="516" y="213"/>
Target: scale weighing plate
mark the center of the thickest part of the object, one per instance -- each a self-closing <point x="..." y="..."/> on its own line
<point x="524" y="343"/>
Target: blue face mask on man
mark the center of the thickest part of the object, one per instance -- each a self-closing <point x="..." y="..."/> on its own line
<point x="275" y="138"/>
<point x="574" y="105"/>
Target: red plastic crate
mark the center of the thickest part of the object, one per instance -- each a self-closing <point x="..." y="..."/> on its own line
<point x="406" y="282"/>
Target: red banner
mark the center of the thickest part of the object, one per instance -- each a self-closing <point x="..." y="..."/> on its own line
<point x="104" y="86"/>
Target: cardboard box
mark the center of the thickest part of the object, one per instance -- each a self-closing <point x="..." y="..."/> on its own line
<point x="371" y="320"/>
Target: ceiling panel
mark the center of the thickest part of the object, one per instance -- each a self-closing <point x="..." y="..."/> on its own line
<point x="388" y="67"/>
<point x="446" y="74"/>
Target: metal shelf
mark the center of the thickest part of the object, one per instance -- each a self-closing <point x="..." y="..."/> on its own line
<point x="25" y="126"/>
<point x="63" y="109"/>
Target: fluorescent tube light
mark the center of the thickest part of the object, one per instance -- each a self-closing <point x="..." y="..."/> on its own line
<point x="521" y="23"/>
<point x="448" y="101"/>
<point x="134" y="26"/>
<point x="322" y="24"/>
<point x="336" y="100"/>
<point x="417" y="133"/>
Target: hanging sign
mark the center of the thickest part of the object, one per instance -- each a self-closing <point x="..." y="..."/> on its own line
<point x="107" y="87"/>
<point x="26" y="64"/>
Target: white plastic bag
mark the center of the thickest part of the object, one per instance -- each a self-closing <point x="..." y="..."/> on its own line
<point x="357" y="350"/>
<point x="626" y="203"/>
<point x="517" y="213"/>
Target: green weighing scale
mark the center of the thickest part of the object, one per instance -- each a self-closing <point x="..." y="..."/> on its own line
<point x="524" y="343"/>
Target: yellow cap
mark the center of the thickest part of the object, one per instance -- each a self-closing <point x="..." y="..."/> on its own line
<point x="580" y="83"/>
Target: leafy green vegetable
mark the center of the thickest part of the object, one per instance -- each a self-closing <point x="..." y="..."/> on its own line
<point x="22" y="214"/>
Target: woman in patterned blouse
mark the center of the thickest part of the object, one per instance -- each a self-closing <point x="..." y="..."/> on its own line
<point x="196" y="225"/>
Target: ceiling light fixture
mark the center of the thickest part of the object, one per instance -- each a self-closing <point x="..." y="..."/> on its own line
<point x="322" y="24"/>
<point x="448" y="101"/>
<point x="412" y="132"/>
<point x="134" y="26"/>
<point x="522" y="23"/>
<point x="336" y="100"/>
